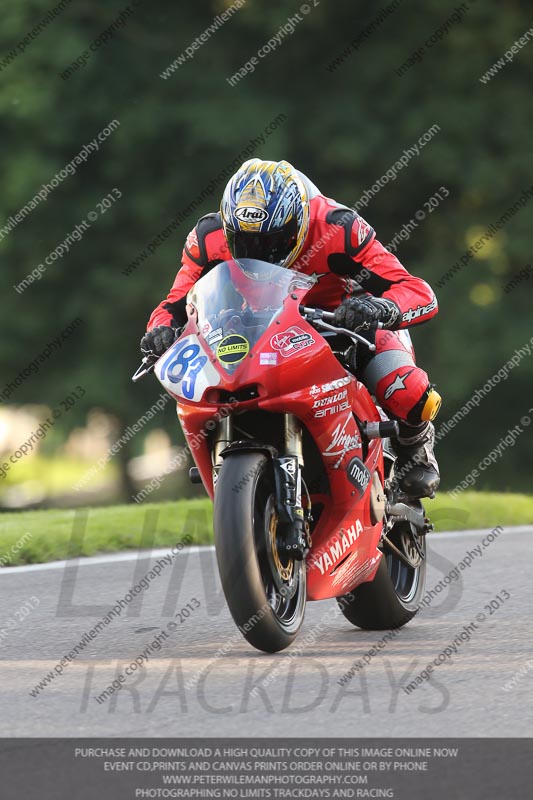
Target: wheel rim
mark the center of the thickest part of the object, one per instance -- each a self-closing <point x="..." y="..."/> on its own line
<point x="405" y="579"/>
<point x="284" y="579"/>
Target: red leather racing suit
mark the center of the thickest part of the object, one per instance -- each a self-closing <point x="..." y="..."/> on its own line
<point x="341" y="251"/>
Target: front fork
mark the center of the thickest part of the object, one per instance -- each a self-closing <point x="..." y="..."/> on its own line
<point x="223" y="439"/>
<point x="293" y="522"/>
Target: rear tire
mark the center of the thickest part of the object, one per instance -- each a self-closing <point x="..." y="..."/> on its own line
<point x="392" y="598"/>
<point x="266" y="594"/>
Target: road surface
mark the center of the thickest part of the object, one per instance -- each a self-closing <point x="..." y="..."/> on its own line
<point x="207" y="681"/>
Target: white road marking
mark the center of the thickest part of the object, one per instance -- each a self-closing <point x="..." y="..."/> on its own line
<point x="133" y="555"/>
<point x="108" y="558"/>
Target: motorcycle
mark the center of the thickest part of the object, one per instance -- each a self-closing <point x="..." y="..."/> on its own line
<point x="295" y="455"/>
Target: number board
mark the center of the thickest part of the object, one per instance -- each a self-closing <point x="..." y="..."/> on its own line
<point x="185" y="370"/>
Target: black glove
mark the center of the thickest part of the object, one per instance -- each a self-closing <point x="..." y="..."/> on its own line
<point x="158" y="340"/>
<point x="363" y="313"/>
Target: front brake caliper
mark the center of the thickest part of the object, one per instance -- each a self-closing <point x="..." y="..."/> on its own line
<point x="293" y="538"/>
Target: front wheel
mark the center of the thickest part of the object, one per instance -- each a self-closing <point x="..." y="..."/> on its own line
<point x="265" y="590"/>
<point x="392" y="598"/>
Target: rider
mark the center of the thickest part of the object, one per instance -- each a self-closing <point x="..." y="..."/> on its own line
<point x="272" y="212"/>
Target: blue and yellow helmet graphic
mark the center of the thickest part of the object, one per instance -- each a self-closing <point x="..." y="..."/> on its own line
<point x="265" y="212"/>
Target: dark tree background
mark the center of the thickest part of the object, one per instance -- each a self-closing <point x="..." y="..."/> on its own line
<point x="346" y="124"/>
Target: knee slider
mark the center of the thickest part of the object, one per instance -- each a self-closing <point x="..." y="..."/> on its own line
<point x="427" y="407"/>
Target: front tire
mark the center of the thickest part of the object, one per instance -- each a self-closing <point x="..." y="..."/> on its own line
<point x="265" y="593"/>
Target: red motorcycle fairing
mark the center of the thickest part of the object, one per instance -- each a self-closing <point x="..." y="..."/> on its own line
<point x="292" y="370"/>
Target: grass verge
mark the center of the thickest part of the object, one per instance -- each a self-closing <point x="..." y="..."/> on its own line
<point x="38" y="536"/>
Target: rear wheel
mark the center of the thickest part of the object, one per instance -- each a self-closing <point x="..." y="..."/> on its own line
<point x="264" y="589"/>
<point x="392" y="598"/>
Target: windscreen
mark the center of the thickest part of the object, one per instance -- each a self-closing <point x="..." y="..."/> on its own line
<point x="237" y="301"/>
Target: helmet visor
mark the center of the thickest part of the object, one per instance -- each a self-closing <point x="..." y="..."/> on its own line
<point x="273" y="246"/>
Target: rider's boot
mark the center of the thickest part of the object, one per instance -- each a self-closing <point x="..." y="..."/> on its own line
<point x="416" y="469"/>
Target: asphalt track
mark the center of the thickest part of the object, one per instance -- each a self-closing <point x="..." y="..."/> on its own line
<point x="464" y="696"/>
